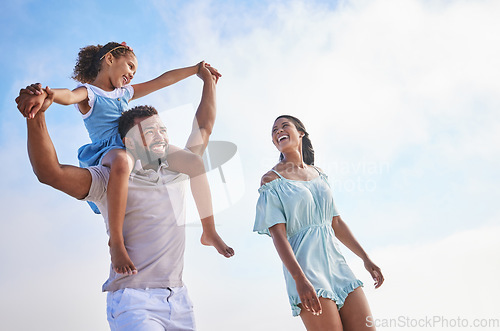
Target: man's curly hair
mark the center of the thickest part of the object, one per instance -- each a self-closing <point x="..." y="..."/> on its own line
<point x="127" y="120"/>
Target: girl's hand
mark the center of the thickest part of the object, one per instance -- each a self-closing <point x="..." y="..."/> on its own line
<point x="375" y="272"/>
<point x="308" y="296"/>
<point x="213" y="71"/>
<point x="205" y="74"/>
<point x="33" y="99"/>
<point x="34" y="89"/>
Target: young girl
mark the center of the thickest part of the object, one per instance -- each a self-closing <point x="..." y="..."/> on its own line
<point x="105" y="73"/>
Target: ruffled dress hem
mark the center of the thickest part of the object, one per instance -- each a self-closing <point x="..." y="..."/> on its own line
<point x="339" y="299"/>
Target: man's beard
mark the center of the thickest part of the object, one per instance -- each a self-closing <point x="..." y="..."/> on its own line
<point x="146" y="155"/>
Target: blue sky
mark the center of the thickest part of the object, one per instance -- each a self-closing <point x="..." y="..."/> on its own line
<point x="401" y="100"/>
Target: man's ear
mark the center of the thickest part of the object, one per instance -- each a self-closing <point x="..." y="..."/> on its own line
<point x="129" y="143"/>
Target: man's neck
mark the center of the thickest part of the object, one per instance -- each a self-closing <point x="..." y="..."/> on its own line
<point x="154" y="165"/>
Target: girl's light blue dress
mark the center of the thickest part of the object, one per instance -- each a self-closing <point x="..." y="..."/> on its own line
<point x="307" y="209"/>
<point x="102" y="124"/>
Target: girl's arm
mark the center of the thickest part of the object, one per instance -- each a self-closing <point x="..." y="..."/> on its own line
<point x="32" y="104"/>
<point x="67" y="97"/>
<point x="168" y="78"/>
<point x="305" y="289"/>
<point x="344" y="234"/>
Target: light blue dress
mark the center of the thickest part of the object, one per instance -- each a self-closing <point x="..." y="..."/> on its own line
<point x="307" y="209"/>
<point x="102" y="124"/>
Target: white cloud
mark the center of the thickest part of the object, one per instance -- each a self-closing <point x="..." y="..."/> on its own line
<point x="408" y="84"/>
<point x="379" y="73"/>
<point x="54" y="260"/>
<point x="452" y="277"/>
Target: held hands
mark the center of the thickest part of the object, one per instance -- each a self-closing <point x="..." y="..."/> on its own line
<point x="206" y="71"/>
<point x="308" y="296"/>
<point x="375" y="272"/>
<point x="33" y="99"/>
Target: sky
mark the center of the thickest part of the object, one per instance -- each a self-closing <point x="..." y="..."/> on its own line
<point x="401" y="101"/>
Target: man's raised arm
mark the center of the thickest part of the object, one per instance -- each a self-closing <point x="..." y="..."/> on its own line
<point x="204" y="120"/>
<point x="69" y="179"/>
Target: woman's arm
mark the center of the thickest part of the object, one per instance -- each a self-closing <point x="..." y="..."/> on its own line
<point x="305" y="289"/>
<point x="344" y="234"/>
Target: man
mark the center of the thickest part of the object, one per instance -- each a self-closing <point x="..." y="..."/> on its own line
<point x="155" y="298"/>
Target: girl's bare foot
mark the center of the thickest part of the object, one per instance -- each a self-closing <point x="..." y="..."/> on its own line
<point x="120" y="260"/>
<point x="213" y="239"/>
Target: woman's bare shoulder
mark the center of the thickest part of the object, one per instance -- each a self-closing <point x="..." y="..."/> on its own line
<point x="268" y="177"/>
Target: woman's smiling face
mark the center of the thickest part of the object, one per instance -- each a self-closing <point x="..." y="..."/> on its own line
<point x="285" y="134"/>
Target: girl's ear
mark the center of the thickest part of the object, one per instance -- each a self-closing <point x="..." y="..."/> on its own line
<point x="109" y="58"/>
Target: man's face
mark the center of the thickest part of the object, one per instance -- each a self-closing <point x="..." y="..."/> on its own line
<point x="148" y="139"/>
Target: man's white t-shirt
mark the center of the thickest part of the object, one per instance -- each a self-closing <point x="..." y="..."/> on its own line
<point x="154" y="226"/>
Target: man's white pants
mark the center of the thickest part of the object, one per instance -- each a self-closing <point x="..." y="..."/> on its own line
<point x="150" y="309"/>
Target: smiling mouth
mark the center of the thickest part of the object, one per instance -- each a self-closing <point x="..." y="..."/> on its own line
<point x="280" y="139"/>
<point x="125" y="80"/>
<point x="158" y="147"/>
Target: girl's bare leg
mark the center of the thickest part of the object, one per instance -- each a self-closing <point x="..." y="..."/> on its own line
<point x="203" y="200"/>
<point x="121" y="166"/>
<point x="189" y="163"/>
<point x="329" y="319"/>
<point x="210" y="237"/>
<point x="355" y="311"/>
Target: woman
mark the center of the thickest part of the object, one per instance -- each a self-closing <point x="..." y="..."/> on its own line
<point x="296" y="209"/>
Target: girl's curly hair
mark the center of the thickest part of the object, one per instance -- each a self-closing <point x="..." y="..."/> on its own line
<point x="89" y="60"/>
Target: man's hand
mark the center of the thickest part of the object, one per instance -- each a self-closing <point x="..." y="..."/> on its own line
<point x="33" y="99"/>
<point x="204" y="68"/>
<point x="214" y="72"/>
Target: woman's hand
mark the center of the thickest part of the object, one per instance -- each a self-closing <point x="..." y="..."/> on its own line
<point x="375" y="271"/>
<point x="308" y="296"/>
